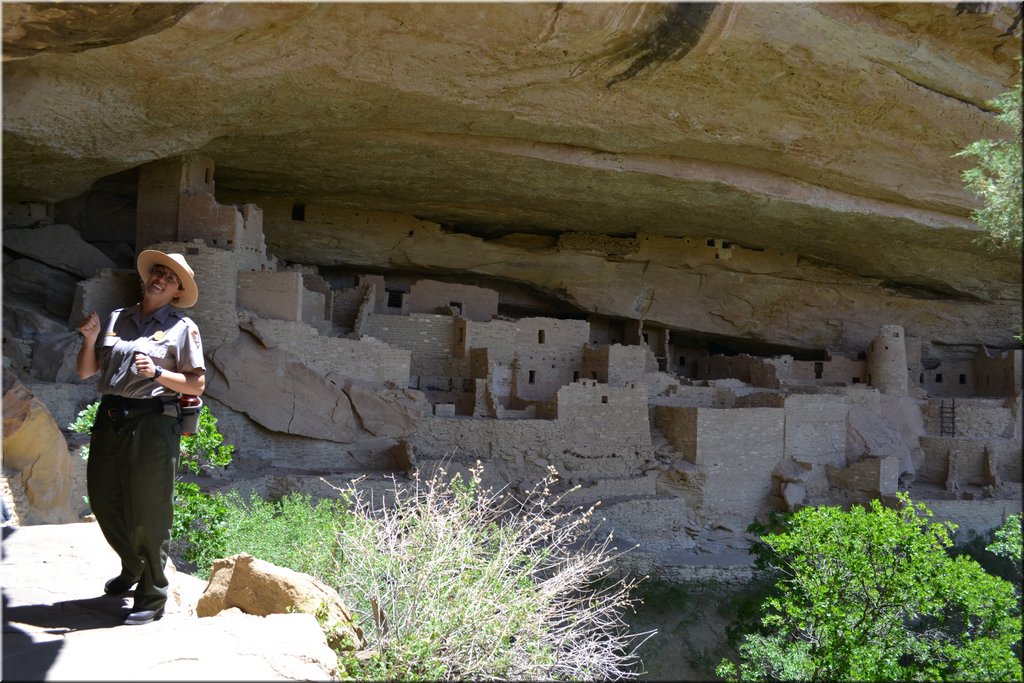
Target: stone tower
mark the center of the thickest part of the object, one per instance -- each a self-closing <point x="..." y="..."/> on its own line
<point x="163" y="187"/>
<point x="887" y="361"/>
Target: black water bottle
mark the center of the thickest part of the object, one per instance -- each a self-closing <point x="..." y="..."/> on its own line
<point x="189" y="406"/>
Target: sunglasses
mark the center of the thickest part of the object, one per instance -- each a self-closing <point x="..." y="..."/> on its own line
<point x="165" y="274"/>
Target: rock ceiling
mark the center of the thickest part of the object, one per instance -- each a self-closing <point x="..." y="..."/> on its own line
<point x="824" y="130"/>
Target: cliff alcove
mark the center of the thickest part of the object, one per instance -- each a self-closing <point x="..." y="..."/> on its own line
<point x="709" y="260"/>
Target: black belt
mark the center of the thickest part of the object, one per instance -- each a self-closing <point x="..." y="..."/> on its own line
<point x="119" y="408"/>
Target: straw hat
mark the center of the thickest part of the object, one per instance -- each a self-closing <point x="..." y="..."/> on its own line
<point x="176" y="262"/>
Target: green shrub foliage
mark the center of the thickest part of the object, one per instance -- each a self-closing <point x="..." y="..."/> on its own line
<point x="872" y="594"/>
<point x="997" y="177"/>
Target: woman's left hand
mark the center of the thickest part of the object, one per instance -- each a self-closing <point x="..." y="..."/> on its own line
<point x="145" y="365"/>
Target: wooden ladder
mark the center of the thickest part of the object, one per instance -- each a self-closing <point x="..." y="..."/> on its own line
<point x="947" y="418"/>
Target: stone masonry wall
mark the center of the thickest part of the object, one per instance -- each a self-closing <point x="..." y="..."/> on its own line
<point x="679" y="425"/>
<point x="380" y="295"/>
<point x="539" y="373"/>
<point x="601" y="421"/>
<point x="366" y="360"/>
<point x="865" y="479"/>
<point x="815" y="429"/>
<point x="201" y="217"/>
<point x="970" y="464"/>
<point x="887" y="361"/>
<point x="474" y="303"/>
<point x="604" y="331"/>
<point x="626" y="364"/>
<point x="250" y="246"/>
<point x="275" y="295"/>
<point x="549" y="348"/>
<point x="428" y="337"/>
<point x="314" y="305"/>
<point x="160" y="184"/>
<point x="976" y="418"/>
<point x="594" y="363"/>
<point x="506" y="338"/>
<point x="726" y="367"/>
<point x="603" y="490"/>
<point x="345" y="307"/>
<point x="998" y="374"/>
<point x="739" y="447"/>
<point x="951" y="379"/>
<point x="591" y="437"/>
<point x="516" y="442"/>
<point x="838" y="370"/>
<point x="984" y="375"/>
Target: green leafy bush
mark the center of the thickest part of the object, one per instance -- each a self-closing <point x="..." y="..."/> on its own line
<point x="872" y="594"/>
<point x="206" y="448"/>
<point x="83" y="423"/>
<point x="1007" y="541"/>
<point x="997" y="177"/>
<point x="293" y="532"/>
<point x="198" y="529"/>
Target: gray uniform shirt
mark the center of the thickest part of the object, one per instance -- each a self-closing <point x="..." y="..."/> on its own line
<point x="168" y="336"/>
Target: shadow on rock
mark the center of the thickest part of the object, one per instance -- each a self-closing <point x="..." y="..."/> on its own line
<point x="32" y="636"/>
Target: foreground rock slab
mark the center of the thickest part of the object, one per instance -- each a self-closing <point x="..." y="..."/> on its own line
<point x="58" y="625"/>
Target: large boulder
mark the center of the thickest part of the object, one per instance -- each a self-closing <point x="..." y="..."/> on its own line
<point x="37" y="463"/>
<point x="59" y="246"/>
<point x="262" y="588"/>
<point x="278" y="390"/>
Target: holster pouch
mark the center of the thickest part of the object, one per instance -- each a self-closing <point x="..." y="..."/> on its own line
<point x="189" y="408"/>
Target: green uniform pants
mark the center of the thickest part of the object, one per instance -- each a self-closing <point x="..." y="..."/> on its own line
<point x="131" y="472"/>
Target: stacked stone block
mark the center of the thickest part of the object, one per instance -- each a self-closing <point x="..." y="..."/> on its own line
<point x="275" y="295"/>
<point x="738" y="448"/>
<point x="427" y="337"/>
<point x="472" y="303"/>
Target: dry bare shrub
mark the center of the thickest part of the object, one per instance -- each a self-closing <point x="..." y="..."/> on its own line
<point x="454" y="581"/>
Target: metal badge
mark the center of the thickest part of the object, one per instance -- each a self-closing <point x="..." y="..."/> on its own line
<point x="158" y="336"/>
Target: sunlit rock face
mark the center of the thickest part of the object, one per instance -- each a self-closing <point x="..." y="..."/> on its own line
<point x="761" y="175"/>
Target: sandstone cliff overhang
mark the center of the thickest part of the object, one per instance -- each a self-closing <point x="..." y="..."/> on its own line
<point x="824" y="130"/>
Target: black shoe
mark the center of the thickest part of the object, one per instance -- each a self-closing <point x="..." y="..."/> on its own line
<point x="119" y="585"/>
<point x="143" y="617"/>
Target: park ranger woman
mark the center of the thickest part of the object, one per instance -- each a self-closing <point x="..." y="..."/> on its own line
<point x="147" y="355"/>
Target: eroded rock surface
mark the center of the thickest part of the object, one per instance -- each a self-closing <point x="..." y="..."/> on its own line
<point x="279" y="391"/>
<point x="823" y="131"/>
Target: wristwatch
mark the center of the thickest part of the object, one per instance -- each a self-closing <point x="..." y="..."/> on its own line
<point x="157" y="371"/>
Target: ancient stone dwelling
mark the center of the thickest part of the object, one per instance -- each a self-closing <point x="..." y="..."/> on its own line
<point x="319" y="379"/>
